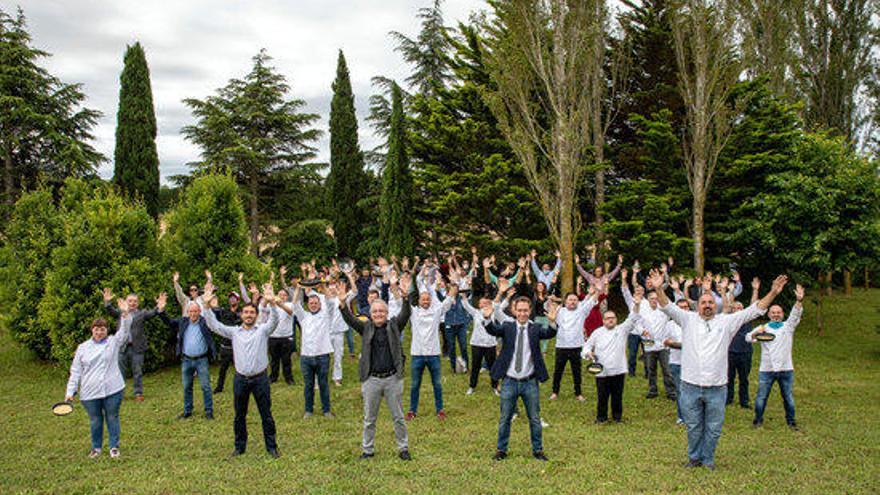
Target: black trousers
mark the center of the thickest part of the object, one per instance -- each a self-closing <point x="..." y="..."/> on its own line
<point x="477" y="355"/>
<point x="280" y="349"/>
<point x="610" y="386"/>
<point x="225" y="361"/>
<point x="739" y="363"/>
<point x="563" y="356"/>
<point x="242" y="388"/>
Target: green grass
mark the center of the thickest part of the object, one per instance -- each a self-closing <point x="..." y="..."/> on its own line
<point x="836" y="388"/>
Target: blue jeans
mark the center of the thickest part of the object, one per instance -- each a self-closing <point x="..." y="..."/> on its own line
<point x="419" y="363"/>
<point x="454" y="332"/>
<point x="105" y="409"/>
<point x="188" y="367"/>
<point x="786" y="384"/>
<point x="675" y="371"/>
<point x="511" y="390"/>
<point x="703" y="413"/>
<point x="349" y="339"/>
<point x="312" y="367"/>
<point x="632" y="352"/>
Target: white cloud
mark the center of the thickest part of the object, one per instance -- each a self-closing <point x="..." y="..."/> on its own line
<point x="194" y="47"/>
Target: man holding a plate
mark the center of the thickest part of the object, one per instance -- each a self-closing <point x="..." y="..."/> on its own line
<point x="776" y="338"/>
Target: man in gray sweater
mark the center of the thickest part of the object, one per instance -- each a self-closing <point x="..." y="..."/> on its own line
<point x="132" y="355"/>
<point x="381" y="366"/>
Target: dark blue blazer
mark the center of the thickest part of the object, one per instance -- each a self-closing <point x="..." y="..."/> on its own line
<point x="507" y="332"/>
<point x="181" y="324"/>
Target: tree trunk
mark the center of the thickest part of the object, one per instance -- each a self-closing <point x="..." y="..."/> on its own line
<point x="829" y="277"/>
<point x="847" y="282"/>
<point x="819" y="325"/>
<point x="699" y="241"/>
<point x="600" y="199"/>
<point x="254" y="217"/>
<point x="867" y="278"/>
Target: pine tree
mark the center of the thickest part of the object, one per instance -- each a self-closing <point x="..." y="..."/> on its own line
<point x="136" y="163"/>
<point x="44" y="130"/>
<point x="395" y="207"/>
<point x="346" y="180"/>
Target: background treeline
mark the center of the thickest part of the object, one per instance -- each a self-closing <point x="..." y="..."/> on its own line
<point x="792" y="186"/>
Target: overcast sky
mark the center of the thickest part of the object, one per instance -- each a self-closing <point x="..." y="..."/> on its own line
<point x="194" y="47"/>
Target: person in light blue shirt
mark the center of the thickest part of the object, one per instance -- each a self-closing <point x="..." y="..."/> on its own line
<point x="195" y="347"/>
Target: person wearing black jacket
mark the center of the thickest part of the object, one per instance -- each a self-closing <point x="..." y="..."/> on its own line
<point x="739" y="362"/>
<point x="195" y="346"/>
<point x="133" y="352"/>
<point x="230" y="317"/>
<point x="381" y="366"/>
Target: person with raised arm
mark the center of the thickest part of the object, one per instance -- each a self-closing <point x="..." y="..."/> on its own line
<point x="740" y="355"/>
<point x="521" y="365"/>
<point x="314" y="356"/>
<point x="653" y="330"/>
<point x="250" y="349"/>
<point x="570" y="339"/>
<point x="598" y="278"/>
<point x="634" y="340"/>
<point x="133" y="351"/>
<point x="706" y="336"/>
<point x="381" y="367"/>
<point x="281" y="340"/>
<point x="94" y="373"/>
<point x="607" y="346"/>
<point x="426" y="316"/>
<point x="184" y="298"/>
<point x="544" y="273"/>
<point x="776" y="362"/>
<point x="483" y="345"/>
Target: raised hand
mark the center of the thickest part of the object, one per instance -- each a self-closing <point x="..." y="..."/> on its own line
<point x="209" y="291"/>
<point x="487" y="262"/>
<point x="673" y="282"/>
<point x="208" y="275"/>
<point x="656" y="278"/>
<point x="756" y="283"/>
<point x="558" y="254"/>
<point x="623" y="273"/>
<point x="533" y="253"/>
<point x="175" y="277"/>
<point x="619" y="259"/>
<point x="779" y="284"/>
<point x="240" y="278"/>
<point x="161" y="301"/>
<point x="799" y="292"/>
<point x="108" y="294"/>
<point x="122" y="304"/>
<point x="282" y="271"/>
<point x="503" y="285"/>
<point x="405" y="283"/>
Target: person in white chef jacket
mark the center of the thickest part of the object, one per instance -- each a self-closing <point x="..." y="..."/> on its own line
<point x="776" y="362"/>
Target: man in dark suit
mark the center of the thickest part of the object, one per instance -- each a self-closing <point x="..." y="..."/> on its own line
<point x="521" y="365"/>
<point x="136" y="347"/>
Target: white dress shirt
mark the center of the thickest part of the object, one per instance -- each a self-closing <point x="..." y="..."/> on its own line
<point x="653" y="320"/>
<point x="284" y="328"/>
<point x="527" y="367"/>
<point x="95" y="366"/>
<point x="250" y="348"/>
<point x="609" y="345"/>
<point x="315" y="328"/>
<point x="776" y="354"/>
<point x="673" y="333"/>
<point x="479" y="336"/>
<point x="704" y="343"/>
<point x="395" y="304"/>
<point x="570" y="324"/>
<point x="425" y="325"/>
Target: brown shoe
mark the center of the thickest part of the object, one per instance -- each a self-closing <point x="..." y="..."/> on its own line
<point x="138" y="398"/>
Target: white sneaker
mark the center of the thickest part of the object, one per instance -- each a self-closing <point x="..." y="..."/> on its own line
<point x="678" y="421"/>
<point x="513" y="418"/>
<point x="114" y="453"/>
<point x="544" y="424"/>
<point x="497" y="392"/>
<point x="94" y="453"/>
<point x="470" y="391"/>
<point x="482" y="370"/>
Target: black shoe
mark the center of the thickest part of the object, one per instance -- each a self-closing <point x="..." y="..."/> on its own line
<point x="274" y="453"/>
<point x="209" y="415"/>
<point x="500" y="455"/>
<point x="728" y="403"/>
<point x="273" y="380"/>
<point x="693" y="463"/>
<point x="366" y="456"/>
<point x="539" y="455"/>
<point x="290" y="382"/>
<point x="601" y="421"/>
<point x="651" y="396"/>
<point x="794" y="426"/>
<point x="757" y="424"/>
<point x="404" y="455"/>
<point x="236" y="453"/>
<point x="184" y="415"/>
<point x="745" y="406"/>
<point x="710" y="466"/>
<point x="218" y="390"/>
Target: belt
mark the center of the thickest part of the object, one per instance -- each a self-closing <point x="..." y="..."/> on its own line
<point x="194" y="358"/>
<point x="383" y="375"/>
<point x="526" y="379"/>
<point x="249" y="377"/>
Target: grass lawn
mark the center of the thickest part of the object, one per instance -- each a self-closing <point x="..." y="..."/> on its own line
<point x="837" y="390"/>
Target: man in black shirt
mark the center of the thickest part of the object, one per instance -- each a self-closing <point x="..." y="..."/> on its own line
<point x="739" y="362"/>
<point x="381" y="366"/>
<point x="229" y="317"/>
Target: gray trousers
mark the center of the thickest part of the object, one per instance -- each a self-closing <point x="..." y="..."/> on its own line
<point x="137" y="368"/>
<point x="651" y="360"/>
<point x="373" y="390"/>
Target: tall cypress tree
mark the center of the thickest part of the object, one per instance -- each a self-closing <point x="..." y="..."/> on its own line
<point x="136" y="167"/>
<point x="346" y="180"/>
<point x="395" y="206"/>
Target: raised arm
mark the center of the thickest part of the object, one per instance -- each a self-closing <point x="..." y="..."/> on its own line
<point x="350" y="319"/>
<point x="182" y="298"/>
<point x="794" y="318"/>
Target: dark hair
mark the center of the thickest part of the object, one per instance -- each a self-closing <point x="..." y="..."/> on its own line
<point x="570" y="293"/>
<point x="373" y="291"/>
<point x="98" y="322"/>
<point x="520" y="299"/>
<point x="250" y="304"/>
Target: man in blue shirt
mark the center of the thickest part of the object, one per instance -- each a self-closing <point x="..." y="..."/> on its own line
<point x="194" y="346"/>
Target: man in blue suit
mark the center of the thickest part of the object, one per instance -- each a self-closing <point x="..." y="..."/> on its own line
<point x="521" y="365"/>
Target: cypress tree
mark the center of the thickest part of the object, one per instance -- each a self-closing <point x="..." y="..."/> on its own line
<point x="395" y="206"/>
<point x="346" y="181"/>
<point x="136" y="163"/>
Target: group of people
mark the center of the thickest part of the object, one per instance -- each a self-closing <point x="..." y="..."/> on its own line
<point x="685" y="327"/>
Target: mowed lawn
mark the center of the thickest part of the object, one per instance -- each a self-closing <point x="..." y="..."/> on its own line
<point x="837" y="390"/>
